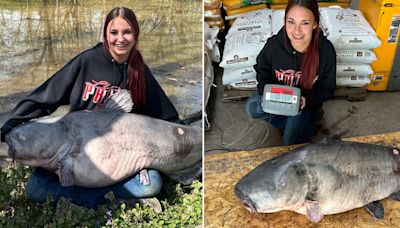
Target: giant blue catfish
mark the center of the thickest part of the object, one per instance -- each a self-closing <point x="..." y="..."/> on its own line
<point x="329" y="177"/>
<point x="100" y="148"/>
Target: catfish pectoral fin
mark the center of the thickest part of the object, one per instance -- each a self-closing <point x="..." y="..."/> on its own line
<point x="375" y="209"/>
<point x="313" y="212"/>
<point x="395" y="196"/>
<point x="66" y="174"/>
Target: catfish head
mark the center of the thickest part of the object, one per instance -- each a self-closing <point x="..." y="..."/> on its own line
<point x="37" y="142"/>
<point x="275" y="185"/>
<point x="46" y="141"/>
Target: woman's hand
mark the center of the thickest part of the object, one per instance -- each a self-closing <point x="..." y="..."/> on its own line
<point x="144" y="177"/>
<point x="302" y="102"/>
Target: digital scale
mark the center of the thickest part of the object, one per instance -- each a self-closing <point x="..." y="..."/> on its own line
<point x="281" y="100"/>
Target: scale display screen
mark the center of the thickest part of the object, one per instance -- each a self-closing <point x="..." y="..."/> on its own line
<point x="281" y="100"/>
<point x="279" y="97"/>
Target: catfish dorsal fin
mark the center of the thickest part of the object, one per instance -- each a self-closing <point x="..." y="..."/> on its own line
<point x="119" y="101"/>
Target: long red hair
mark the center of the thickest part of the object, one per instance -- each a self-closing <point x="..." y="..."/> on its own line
<point x="310" y="64"/>
<point x="136" y="81"/>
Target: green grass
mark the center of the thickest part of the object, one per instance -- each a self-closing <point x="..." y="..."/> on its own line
<point x="181" y="208"/>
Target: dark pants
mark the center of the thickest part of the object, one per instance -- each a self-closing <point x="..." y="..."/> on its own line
<point x="43" y="185"/>
<point x="296" y="129"/>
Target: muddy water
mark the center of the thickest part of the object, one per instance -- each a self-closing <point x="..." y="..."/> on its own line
<point x="38" y="37"/>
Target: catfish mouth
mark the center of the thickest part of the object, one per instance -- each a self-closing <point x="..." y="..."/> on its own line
<point x="249" y="205"/>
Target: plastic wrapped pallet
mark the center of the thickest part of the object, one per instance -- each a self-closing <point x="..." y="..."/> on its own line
<point x="211" y="43"/>
<point x="208" y="83"/>
<point x="347" y="29"/>
<point x="208" y="77"/>
<point x="220" y="23"/>
<point x="352" y="37"/>
<point x="244" y="41"/>
<point x="213" y="18"/>
<point x="212" y="14"/>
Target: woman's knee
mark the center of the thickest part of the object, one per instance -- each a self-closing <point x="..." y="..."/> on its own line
<point x="134" y="189"/>
<point x="35" y="190"/>
<point x="300" y="129"/>
<point x="253" y="106"/>
<point x="38" y="185"/>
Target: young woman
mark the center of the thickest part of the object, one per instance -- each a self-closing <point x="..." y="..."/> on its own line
<point x="83" y="83"/>
<point x="299" y="56"/>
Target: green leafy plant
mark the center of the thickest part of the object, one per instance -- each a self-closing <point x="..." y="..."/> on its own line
<point x="182" y="207"/>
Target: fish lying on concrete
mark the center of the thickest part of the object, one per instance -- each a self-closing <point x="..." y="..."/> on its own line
<point x="100" y="148"/>
<point x="329" y="177"/>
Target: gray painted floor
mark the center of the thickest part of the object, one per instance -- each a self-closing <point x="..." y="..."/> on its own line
<point x="232" y="130"/>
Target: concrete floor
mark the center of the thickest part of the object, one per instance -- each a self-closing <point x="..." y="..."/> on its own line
<point x="232" y="130"/>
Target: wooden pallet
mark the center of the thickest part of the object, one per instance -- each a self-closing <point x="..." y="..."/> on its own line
<point x="232" y="94"/>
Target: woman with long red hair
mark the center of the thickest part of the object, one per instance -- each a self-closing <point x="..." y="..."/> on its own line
<point x="299" y="56"/>
<point x="84" y="83"/>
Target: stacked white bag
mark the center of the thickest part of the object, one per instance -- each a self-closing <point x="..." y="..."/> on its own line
<point x="244" y="41"/>
<point x="278" y="20"/>
<point x="353" y="38"/>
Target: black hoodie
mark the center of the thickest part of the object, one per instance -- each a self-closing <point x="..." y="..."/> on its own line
<point x="83" y="83"/>
<point x="279" y="63"/>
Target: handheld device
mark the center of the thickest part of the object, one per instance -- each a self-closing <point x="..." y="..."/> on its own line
<point x="281" y="100"/>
